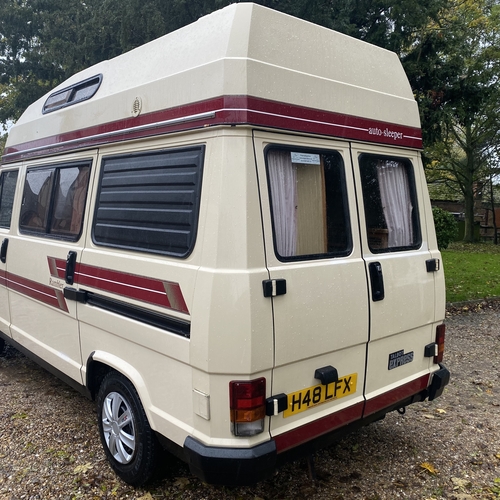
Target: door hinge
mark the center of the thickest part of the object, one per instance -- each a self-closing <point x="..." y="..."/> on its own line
<point x="276" y="404"/>
<point x="272" y="288"/>
<point x="432" y="265"/>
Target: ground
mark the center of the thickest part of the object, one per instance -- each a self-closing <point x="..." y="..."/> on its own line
<point x="445" y="449"/>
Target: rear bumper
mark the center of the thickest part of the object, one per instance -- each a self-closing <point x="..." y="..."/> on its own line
<point x="245" y="466"/>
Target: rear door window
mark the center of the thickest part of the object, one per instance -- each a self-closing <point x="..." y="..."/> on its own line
<point x="390" y="201"/>
<point x="308" y="202"/>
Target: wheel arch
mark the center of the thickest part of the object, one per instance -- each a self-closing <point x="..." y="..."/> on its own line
<point x="100" y="363"/>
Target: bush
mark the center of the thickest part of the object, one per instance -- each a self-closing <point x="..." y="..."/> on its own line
<point x="446" y="227"/>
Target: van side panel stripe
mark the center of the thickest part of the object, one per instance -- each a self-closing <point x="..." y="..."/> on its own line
<point x="224" y="110"/>
<point x="157" y="292"/>
<point x="37" y="291"/>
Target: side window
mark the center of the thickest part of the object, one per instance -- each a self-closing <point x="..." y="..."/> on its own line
<point x="54" y="200"/>
<point x="8" y="182"/>
<point x="150" y="201"/>
<point x="308" y="202"/>
<point x="390" y="201"/>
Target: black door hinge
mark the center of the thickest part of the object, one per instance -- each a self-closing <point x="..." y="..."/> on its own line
<point x="272" y="288"/>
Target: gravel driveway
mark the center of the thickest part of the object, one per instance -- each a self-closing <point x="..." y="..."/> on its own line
<point x="446" y="449"/>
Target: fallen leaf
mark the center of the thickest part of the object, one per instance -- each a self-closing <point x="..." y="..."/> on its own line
<point x="82" y="469"/>
<point x="459" y="483"/>
<point x="440" y="410"/>
<point x="147" y="496"/>
<point x="181" y="482"/>
<point x="429" y="468"/>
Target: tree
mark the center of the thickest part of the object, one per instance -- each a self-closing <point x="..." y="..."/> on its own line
<point x="466" y="103"/>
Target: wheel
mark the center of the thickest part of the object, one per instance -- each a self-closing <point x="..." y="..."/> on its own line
<point x="129" y="442"/>
<point x="2" y="346"/>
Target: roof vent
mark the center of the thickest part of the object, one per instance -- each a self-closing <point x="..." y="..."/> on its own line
<point x="78" y="92"/>
<point x="136" y="107"/>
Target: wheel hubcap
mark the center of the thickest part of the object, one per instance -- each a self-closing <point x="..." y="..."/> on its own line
<point x="118" y="427"/>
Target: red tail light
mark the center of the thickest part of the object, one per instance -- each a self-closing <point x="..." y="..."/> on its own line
<point x="440" y="334"/>
<point x="248" y="406"/>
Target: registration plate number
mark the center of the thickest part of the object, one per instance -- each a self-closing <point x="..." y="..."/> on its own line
<point x="300" y="401"/>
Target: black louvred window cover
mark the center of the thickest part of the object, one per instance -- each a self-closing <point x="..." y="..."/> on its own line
<point x="149" y="202"/>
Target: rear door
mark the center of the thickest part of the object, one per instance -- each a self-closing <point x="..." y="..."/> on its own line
<point x="8" y="182"/>
<point x="49" y="232"/>
<point x="317" y="277"/>
<point x="401" y="271"/>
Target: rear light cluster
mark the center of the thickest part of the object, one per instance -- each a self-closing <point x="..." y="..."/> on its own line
<point x="248" y="406"/>
<point x="440" y="333"/>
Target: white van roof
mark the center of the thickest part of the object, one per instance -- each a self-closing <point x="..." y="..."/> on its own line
<point x="244" y="64"/>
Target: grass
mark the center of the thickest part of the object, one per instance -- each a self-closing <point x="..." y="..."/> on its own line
<point x="472" y="271"/>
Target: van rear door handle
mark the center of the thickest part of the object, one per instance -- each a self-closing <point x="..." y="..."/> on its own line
<point x="377" y="281"/>
<point x="3" y="250"/>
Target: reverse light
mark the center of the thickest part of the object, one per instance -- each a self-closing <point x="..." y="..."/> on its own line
<point x="440" y="334"/>
<point x="247" y="399"/>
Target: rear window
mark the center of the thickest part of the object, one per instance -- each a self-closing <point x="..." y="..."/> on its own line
<point x="150" y="201"/>
<point x="390" y="200"/>
<point x="308" y="203"/>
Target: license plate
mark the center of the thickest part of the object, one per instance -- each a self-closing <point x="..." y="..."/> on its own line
<point x="313" y="396"/>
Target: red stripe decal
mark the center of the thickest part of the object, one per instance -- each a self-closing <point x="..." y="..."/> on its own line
<point x="340" y="418"/>
<point x="227" y="110"/>
<point x="56" y="267"/>
<point x="3" y="278"/>
<point x="399" y="394"/>
<point x="37" y="291"/>
<point x="153" y="291"/>
<point x="319" y="427"/>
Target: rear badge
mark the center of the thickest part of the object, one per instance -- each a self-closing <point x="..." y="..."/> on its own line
<point x="399" y="358"/>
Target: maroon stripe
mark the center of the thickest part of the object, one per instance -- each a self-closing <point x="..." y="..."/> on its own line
<point x="390" y="398"/>
<point x="228" y="110"/>
<point x="157" y="292"/>
<point x="3" y="278"/>
<point x="57" y="267"/>
<point x="37" y="291"/>
<point x="319" y="427"/>
<point x="338" y="419"/>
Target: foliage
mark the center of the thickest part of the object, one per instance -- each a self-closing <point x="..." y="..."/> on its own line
<point x="446" y="227"/>
<point x="472" y="271"/>
<point x="465" y="103"/>
<point x="42" y="42"/>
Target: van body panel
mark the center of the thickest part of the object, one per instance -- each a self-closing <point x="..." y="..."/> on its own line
<point x="47" y="230"/>
<point x="8" y="186"/>
<point x="235" y="59"/>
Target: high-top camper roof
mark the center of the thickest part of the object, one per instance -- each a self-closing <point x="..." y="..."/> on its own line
<point x="244" y="64"/>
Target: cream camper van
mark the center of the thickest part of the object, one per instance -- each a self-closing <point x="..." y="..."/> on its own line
<point x="224" y="238"/>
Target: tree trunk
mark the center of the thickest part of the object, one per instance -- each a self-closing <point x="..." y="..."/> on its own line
<point x="493" y="215"/>
<point x="469" y="216"/>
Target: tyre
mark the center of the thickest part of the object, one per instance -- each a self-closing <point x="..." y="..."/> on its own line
<point x="129" y="442"/>
<point x="2" y="346"/>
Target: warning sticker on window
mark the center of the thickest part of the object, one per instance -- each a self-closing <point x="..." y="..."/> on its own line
<point x="306" y="159"/>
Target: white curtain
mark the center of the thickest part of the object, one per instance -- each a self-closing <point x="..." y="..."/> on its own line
<point x="283" y="179"/>
<point x="396" y="202"/>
